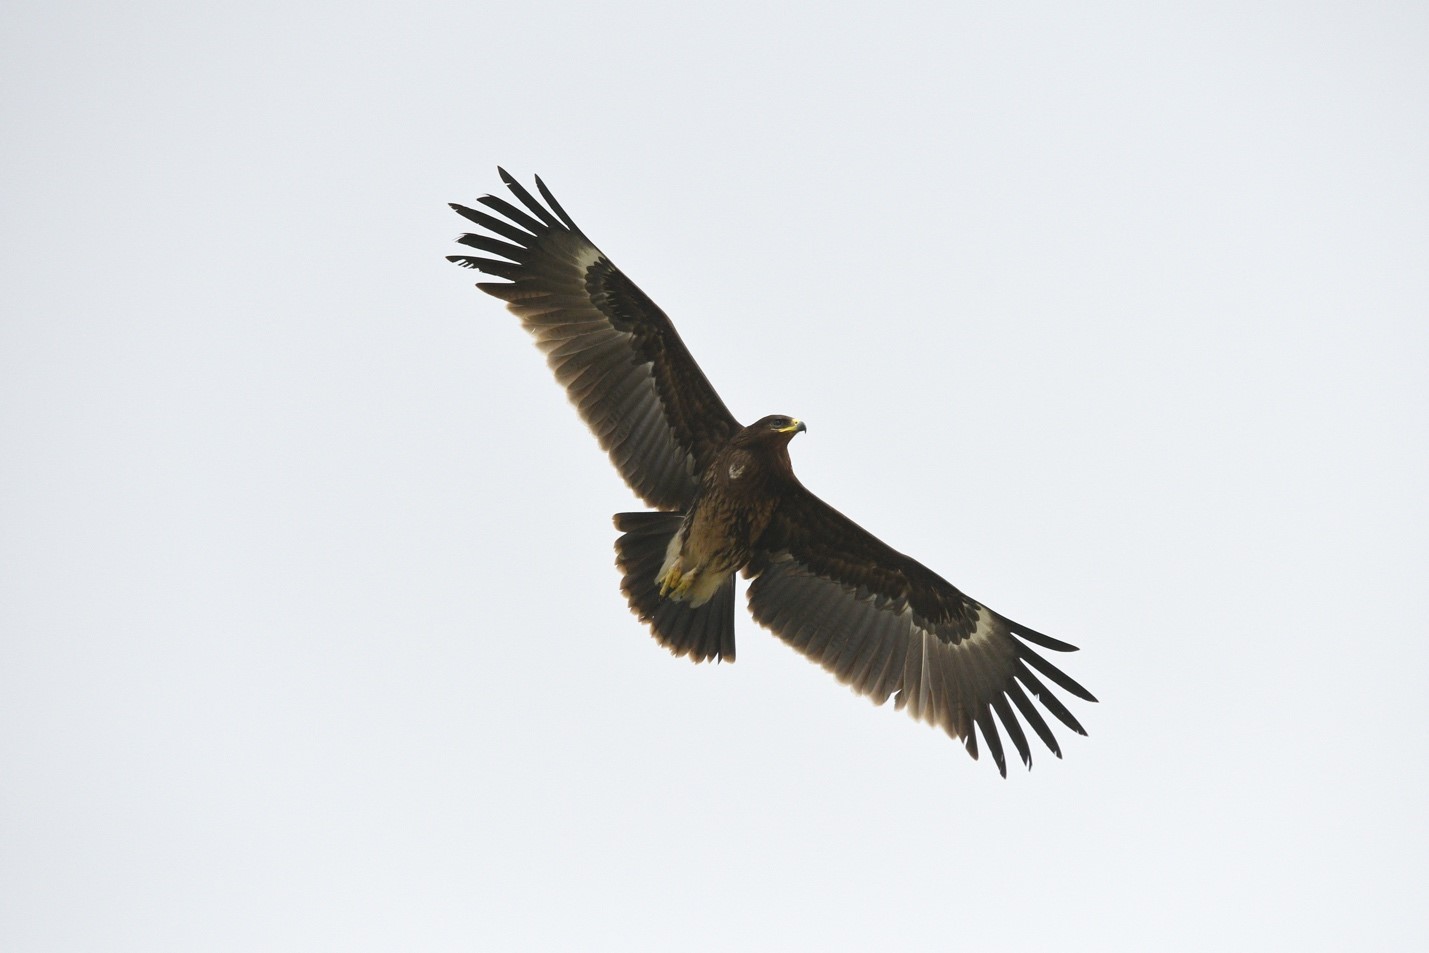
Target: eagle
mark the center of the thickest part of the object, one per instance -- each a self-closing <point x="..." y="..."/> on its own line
<point x="725" y="500"/>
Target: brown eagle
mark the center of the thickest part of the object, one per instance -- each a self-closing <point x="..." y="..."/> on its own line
<point x="726" y="499"/>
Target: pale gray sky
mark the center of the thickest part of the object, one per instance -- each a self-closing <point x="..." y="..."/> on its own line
<point x="310" y="637"/>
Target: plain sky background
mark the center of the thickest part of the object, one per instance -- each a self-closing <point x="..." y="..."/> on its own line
<point x="1115" y="314"/>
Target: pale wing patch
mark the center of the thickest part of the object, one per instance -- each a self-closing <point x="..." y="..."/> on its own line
<point x="584" y="255"/>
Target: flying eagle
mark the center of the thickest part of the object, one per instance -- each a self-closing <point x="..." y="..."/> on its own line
<point x="726" y="499"/>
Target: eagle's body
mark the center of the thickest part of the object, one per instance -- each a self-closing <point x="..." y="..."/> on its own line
<point x="726" y="501"/>
<point x="736" y="500"/>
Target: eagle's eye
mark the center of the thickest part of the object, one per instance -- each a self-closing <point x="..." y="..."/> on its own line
<point x="779" y="423"/>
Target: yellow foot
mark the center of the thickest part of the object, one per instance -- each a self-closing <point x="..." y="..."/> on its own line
<point x="676" y="583"/>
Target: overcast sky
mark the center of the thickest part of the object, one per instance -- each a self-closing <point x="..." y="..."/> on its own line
<point x="1116" y="315"/>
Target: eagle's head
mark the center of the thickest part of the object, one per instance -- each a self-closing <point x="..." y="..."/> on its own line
<point x="769" y="438"/>
<point x="775" y="427"/>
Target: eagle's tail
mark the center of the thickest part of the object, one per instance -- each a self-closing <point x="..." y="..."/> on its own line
<point x="703" y="632"/>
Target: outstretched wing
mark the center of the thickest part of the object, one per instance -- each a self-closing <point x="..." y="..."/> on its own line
<point x="612" y="348"/>
<point x="886" y="624"/>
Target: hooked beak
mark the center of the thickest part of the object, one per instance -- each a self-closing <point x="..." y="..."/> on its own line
<point x="795" y="426"/>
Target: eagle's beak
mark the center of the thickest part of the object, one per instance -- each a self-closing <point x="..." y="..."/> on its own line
<point x="795" y="426"/>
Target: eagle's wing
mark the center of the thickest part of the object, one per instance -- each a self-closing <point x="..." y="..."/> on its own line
<point x="612" y="348"/>
<point x="884" y="623"/>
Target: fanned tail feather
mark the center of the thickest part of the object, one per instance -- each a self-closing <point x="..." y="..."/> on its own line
<point x="702" y="633"/>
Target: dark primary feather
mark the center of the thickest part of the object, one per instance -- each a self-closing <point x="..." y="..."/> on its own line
<point x="886" y="625"/>
<point x="616" y="353"/>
